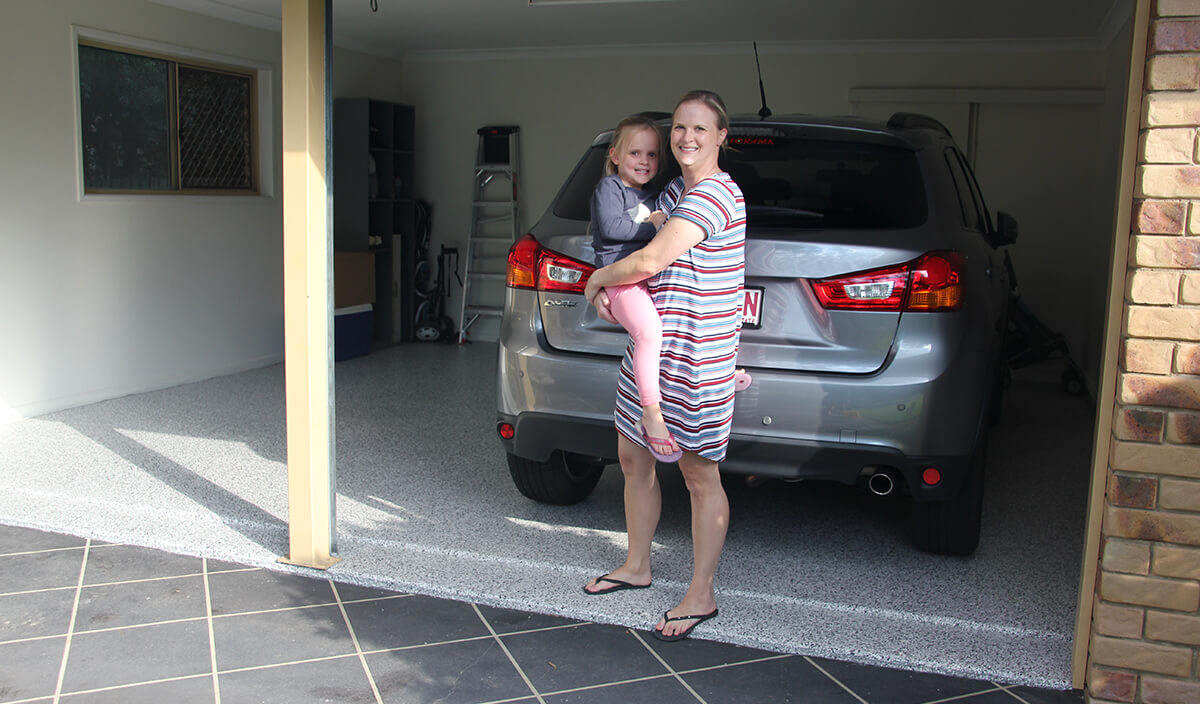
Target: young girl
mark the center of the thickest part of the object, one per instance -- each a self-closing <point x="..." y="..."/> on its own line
<point x="623" y="223"/>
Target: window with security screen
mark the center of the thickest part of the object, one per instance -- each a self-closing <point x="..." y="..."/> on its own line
<point x="153" y="124"/>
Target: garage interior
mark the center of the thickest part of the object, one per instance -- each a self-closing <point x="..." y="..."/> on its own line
<point x="1030" y="90"/>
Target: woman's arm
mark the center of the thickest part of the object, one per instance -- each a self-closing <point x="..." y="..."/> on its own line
<point x="676" y="237"/>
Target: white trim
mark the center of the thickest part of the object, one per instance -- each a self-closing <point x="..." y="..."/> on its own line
<point x="265" y="137"/>
<point x="1019" y="96"/>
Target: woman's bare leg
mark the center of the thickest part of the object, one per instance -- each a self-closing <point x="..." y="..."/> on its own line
<point x="643" y="505"/>
<point x="710" y="522"/>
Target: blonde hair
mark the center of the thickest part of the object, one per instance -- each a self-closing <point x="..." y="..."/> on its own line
<point x="621" y="134"/>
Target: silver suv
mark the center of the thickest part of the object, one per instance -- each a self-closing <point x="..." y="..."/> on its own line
<point x="876" y="305"/>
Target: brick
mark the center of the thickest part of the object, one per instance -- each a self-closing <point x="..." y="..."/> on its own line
<point x="1153" y="287"/>
<point x="1174" y="561"/>
<point x="1180" y="495"/>
<point x="1189" y="292"/>
<point x="1170" y="181"/>
<point x="1183" y="428"/>
<point x="1156" y="525"/>
<point x="1175" y="8"/>
<point x="1164" y="217"/>
<point x="1173" y="628"/>
<point x="1139" y="425"/>
<point x="1187" y="360"/>
<point x="1132" y="492"/>
<point x="1132" y="557"/>
<point x="1173" y="72"/>
<point x="1119" y="621"/>
<point x="1176" y="35"/>
<point x="1166" y="391"/>
<point x="1157" y="690"/>
<point x="1172" y="594"/>
<point x="1144" y="458"/>
<point x="1149" y="356"/>
<point x="1142" y="656"/>
<point x="1163" y="323"/>
<point x="1164" y="252"/>
<point x="1168" y="145"/>
<point x="1112" y="685"/>
<point x="1171" y="110"/>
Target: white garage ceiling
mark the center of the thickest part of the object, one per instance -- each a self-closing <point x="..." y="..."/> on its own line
<point x="402" y="27"/>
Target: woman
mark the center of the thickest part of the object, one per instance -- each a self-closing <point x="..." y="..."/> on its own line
<point x="694" y="270"/>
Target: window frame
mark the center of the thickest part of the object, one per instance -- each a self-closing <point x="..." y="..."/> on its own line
<point x="260" y="91"/>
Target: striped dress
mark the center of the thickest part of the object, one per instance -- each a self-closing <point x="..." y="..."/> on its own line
<point x="700" y="298"/>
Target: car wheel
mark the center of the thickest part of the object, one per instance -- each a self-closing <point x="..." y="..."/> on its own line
<point x="564" y="479"/>
<point x="952" y="527"/>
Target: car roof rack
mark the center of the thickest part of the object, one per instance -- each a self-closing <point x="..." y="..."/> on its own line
<point x="913" y="120"/>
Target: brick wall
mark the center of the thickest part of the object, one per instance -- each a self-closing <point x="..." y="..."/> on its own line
<point x="1145" y="644"/>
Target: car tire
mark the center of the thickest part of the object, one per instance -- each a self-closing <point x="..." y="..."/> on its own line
<point x="952" y="527"/>
<point x="564" y="479"/>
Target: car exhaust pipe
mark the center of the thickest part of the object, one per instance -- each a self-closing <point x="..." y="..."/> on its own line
<point x="881" y="483"/>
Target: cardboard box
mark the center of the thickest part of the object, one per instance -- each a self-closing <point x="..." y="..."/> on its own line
<point x="353" y="279"/>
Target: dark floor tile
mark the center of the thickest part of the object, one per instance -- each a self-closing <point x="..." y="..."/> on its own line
<point x="661" y="689"/>
<point x="137" y="603"/>
<point x="15" y="539"/>
<point x="122" y="563"/>
<point x="30" y="668"/>
<point x="693" y="653"/>
<point x="341" y="680"/>
<point x="790" y="680"/>
<point x="511" y="620"/>
<point x="582" y="656"/>
<point x="353" y="592"/>
<point x="261" y="590"/>
<point x="882" y="685"/>
<point x="222" y="566"/>
<point x="280" y="637"/>
<point x="194" y="690"/>
<point x="1048" y="696"/>
<point x="132" y="655"/>
<point x="36" y="614"/>
<point x="413" y="620"/>
<point x="42" y="570"/>
<point x="450" y="673"/>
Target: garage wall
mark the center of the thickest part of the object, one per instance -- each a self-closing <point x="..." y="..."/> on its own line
<point x="109" y="295"/>
<point x="561" y="99"/>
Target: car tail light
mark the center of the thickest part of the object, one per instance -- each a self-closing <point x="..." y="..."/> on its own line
<point x="932" y="282"/>
<point x="532" y="266"/>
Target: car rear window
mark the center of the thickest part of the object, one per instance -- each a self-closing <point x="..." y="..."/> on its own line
<point x="793" y="183"/>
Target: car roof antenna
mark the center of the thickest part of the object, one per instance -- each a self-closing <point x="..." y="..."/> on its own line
<point x="765" y="111"/>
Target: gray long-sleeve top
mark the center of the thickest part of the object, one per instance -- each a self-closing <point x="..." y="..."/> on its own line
<point x="614" y="232"/>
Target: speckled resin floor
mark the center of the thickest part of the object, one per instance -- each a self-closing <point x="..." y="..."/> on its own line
<point x="425" y="506"/>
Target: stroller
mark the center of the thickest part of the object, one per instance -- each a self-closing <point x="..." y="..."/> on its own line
<point x="1029" y="340"/>
<point x="431" y="322"/>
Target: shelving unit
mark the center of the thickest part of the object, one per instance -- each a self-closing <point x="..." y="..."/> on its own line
<point x="374" y="208"/>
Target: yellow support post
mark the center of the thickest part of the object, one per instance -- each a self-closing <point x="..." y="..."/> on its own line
<point x="307" y="255"/>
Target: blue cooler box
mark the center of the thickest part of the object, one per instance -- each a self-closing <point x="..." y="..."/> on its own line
<point x="351" y="332"/>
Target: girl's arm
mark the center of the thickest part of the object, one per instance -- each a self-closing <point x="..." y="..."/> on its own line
<point x="609" y="213"/>
<point x="677" y="236"/>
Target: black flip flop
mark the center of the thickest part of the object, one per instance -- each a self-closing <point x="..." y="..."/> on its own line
<point x="685" y="632"/>
<point x="618" y="585"/>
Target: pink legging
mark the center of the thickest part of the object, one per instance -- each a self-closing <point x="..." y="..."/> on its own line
<point x="633" y="308"/>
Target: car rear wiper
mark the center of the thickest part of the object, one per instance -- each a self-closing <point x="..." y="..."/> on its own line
<point x="774" y="210"/>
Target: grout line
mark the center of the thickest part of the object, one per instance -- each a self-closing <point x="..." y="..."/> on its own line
<point x="115" y="687"/>
<point x="212" y="639"/>
<point x="835" y="680"/>
<point x="38" y="552"/>
<point x="62" y="668"/>
<point x="1012" y="694"/>
<point x="118" y="584"/>
<point x="268" y="666"/>
<point x="965" y="696"/>
<point x="664" y="663"/>
<point x="362" y="659"/>
<point x="529" y="683"/>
